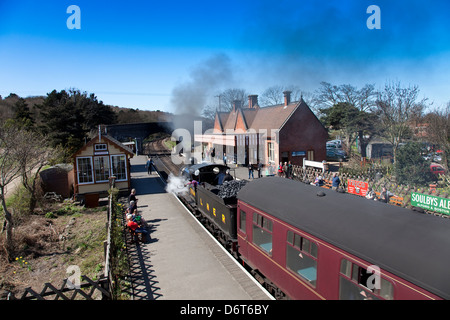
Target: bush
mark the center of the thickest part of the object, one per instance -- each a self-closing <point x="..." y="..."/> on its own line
<point x="411" y="168"/>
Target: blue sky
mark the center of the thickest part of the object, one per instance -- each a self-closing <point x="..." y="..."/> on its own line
<point x="141" y="54"/>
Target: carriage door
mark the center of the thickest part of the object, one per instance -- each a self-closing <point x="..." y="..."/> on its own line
<point x="242" y="231"/>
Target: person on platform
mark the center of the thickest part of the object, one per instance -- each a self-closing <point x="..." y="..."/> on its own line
<point x="132" y="196"/>
<point x="371" y="195"/>
<point x="385" y="195"/>
<point x="259" y="166"/>
<point x="250" y="170"/>
<point x="280" y="169"/>
<point x="335" y="182"/>
<point x="135" y="227"/>
<point x="149" y="165"/>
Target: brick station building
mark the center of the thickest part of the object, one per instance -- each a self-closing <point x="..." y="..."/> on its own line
<point x="286" y="132"/>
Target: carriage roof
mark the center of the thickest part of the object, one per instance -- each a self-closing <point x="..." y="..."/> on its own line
<point x="407" y="243"/>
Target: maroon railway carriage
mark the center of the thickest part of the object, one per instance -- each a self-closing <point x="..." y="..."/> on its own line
<point x="314" y="243"/>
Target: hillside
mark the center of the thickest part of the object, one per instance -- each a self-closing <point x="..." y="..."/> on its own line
<point x="124" y="115"/>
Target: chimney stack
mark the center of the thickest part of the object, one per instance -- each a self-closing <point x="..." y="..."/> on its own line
<point x="236" y="105"/>
<point x="287" y="97"/>
<point x="252" y="101"/>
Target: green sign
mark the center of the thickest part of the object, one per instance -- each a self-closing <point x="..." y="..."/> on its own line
<point x="433" y="203"/>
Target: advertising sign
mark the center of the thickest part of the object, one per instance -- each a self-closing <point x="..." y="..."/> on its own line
<point x="357" y="187"/>
<point x="432" y="203"/>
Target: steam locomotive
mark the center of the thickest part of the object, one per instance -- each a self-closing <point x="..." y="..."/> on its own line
<point x="306" y="242"/>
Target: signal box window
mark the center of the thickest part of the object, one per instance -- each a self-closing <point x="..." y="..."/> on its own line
<point x="356" y="283"/>
<point x="84" y="170"/>
<point x="101" y="147"/>
<point x="242" y="221"/>
<point x="262" y="232"/>
<point x="119" y="167"/>
<point x="301" y="257"/>
<point x="101" y="168"/>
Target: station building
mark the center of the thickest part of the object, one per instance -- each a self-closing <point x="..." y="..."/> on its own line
<point x="286" y="132"/>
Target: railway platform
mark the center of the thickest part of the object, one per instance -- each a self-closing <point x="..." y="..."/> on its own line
<point x="181" y="261"/>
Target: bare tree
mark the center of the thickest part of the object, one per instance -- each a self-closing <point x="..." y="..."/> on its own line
<point x="362" y="99"/>
<point x="9" y="171"/>
<point x="228" y="96"/>
<point x="398" y="108"/>
<point x="274" y="94"/>
<point x="328" y="95"/>
<point x="438" y="131"/>
<point x="209" y="112"/>
<point x="34" y="154"/>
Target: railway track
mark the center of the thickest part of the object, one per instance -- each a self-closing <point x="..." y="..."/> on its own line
<point x="165" y="166"/>
<point x="163" y="158"/>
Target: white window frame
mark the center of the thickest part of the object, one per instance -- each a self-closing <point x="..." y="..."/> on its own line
<point x="100" y="147"/>
<point x="271" y="151"/>
<point x="92" y="171"/>
<point x="125" y="165"/>
<point x="109" y="169"/>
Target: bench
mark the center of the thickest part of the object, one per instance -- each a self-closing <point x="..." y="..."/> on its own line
<point x="395" y="200"/>
<point x="135" y="236"/>
<point x="327" y="184"/>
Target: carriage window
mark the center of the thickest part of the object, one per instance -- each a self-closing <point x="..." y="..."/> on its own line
<point x="262" y="232"/>
<point x="242" y="221"/>
<point x="356" y="283"/>
<point x="301" y="257"/>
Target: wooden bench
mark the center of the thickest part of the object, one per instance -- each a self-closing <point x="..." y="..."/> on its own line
<point x="395" y="200"/>
<point x="327" y="184"/>
<point x="135" y="236"/>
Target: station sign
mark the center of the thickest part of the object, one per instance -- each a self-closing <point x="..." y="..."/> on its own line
<point x="298" y="153"/>
<point x="429" y="202"/>
<point x="357" y="187"/>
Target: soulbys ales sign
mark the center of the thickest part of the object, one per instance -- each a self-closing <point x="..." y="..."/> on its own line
<point x="428" y="202"/>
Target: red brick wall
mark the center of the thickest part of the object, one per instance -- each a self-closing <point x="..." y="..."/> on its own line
<point x="303" y="132"/>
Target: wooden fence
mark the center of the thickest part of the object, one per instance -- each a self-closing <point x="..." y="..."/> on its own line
<point x="375" y="181"/>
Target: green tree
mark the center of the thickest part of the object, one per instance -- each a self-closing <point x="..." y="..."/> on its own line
<point x="410" y="167"/>
<point x="350" y="120"/>
<point x="68" y="116"/>
<point x="23" y="117"/>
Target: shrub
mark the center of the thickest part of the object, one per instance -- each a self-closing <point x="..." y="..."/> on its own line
<point x="410" y="167"/>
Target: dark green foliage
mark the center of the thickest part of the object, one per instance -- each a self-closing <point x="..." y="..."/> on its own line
<point x="351" y="121"/>
<point x="67" y="117"/>
<point x="23" y="117"/>
<point x="410" y="167"/>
